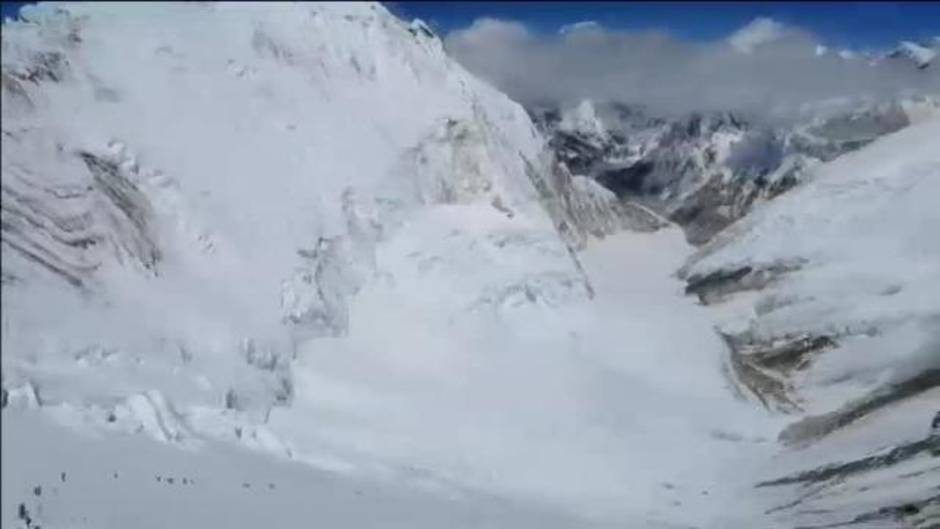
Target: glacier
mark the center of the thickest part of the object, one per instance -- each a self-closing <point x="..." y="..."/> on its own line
<point x="269" y="264"/>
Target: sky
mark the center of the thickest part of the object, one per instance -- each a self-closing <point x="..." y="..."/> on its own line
<point x="10" y="9"/>
<point x="775" y="60"/>
<point x="858" y="25"/>
<point x="762" y="58"/>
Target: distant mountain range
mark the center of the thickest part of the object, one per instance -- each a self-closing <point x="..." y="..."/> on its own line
<point x="706" y="170"/>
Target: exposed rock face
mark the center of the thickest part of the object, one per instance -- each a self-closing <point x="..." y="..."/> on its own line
<point x="703" y="171"/>
<point x="766" y="367"/>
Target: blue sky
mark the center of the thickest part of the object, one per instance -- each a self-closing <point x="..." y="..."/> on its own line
<point x="858" y="25"/>
<point x="8" y="9"/>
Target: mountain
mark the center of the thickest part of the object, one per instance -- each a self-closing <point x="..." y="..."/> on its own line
<point x="270" y="264"/>
<point x="143" y="182"/>
<point x="921" y="54"/>
<point x="706" y="170"/>
<point x="827" y="280"/>
<point x="200" y="199"/>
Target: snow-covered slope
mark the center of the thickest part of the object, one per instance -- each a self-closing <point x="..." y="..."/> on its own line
<point x="213" y="196"/>
<point x="829" y="299"/>
<point x="305" y="231"/>
<point x="191" y="191"/>
<point x="55" y="477"/>
<point x="922" y="55"/>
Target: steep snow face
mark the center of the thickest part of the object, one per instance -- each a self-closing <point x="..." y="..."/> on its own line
<point x="830" y="308"/>
<point x="190" y="191"/>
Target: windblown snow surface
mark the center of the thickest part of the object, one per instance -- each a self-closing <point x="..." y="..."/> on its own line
<point x="281" y="266"/>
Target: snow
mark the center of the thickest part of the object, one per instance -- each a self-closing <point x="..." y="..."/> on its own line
<point x="582" y="118"/>
<point x="919" y="54"/>
<point x="519" y="404"/>
<point x="251" y="142"/>
<point x="867" y="218"/>
<point x="308" y="265"/>
<point x="512" y="407"/>
<point x="284" y="261"/>
<point x="133" y="481"/>
<point x="862" y="229"/>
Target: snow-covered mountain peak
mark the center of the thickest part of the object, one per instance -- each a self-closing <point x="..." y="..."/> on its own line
<point x="212" y="182"/>
<point x="921" y="55"/>
<point x="582" y="118"/>
<point x="305" y="230"/>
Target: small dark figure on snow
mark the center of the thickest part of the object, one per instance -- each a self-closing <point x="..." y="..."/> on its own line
<point x="935" y="434"/>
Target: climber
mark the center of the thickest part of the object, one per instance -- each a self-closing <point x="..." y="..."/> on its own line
<point x="935" y="435"/>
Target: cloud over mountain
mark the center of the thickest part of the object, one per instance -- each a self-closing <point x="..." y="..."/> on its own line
<point x="765" y="67"/>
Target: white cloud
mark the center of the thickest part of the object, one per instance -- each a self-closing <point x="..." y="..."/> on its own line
<point x="757" y="32"/>
<point x="847" y="54"/>
<point x="487" y="30"/>
<point x="579" y="26"/>
<point x="780" y="74"/>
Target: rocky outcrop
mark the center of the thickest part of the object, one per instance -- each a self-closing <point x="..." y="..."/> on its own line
<point x="771" y="389"/>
